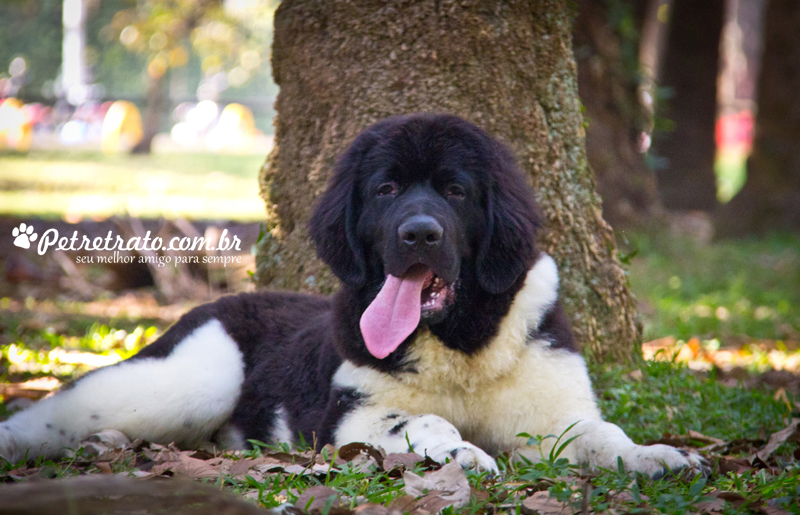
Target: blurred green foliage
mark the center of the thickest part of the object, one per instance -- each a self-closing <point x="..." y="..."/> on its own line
<point x="32" y="30"/>
<point x="166" y="32"/>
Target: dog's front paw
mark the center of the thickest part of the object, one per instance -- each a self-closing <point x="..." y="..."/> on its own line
<point x="473" y="457"/>
<point x="660" y="461"/>
<point x="467" y="455"/>
<point x="439" y="439"/>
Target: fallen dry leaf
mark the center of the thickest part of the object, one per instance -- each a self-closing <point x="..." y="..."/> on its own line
<point x="711" y="505"/>
<point x="405" y="460"/>
<point x="734" y="498"/>
<point x="450" y="482"/>
<point x="735" y="465"/>
<point x="353" y="450"/>
<point x="104" y="467"/>
<point x="194" y="468"/>
<point x="788" y="434"/>
<point x="34" y="389"/>
<point x="434" y="502"/>
<point x="625" y="496"/>
<point x="316" y="497"/>
<point x="541" y="503"/>
<point x="372" y="509"/>
<point x="403" y="504"/>
<point x="242" y="467"/>
<point x="316" y="469"/>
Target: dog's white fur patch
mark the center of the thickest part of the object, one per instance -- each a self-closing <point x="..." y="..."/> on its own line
<point x="281" y="432"/>
<point x="182" y="398"/>
<point x="511" y="386"/>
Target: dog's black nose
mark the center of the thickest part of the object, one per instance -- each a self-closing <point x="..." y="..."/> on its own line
<point x="421" y="230"/>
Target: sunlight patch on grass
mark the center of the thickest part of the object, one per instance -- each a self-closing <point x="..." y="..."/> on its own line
<point x="758" y="356"/>
<point x="101" y="345"/>
<point x="98" y="186"/>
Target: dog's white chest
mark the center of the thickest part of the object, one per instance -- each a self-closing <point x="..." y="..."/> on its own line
<point x="490" y="397"/>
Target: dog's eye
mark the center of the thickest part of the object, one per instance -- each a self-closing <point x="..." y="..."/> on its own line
<point x="386" y="189"/>
<point x="454" y="190"/>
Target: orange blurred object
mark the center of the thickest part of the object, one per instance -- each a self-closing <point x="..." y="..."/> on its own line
<point x="16" y="128"/>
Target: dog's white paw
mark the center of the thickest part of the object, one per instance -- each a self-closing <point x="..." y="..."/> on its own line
<point x="439" y="439"/>
<point x="659" y="461"/>
<point x="470" y="456"/>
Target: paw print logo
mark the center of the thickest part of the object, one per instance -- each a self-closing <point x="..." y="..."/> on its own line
<point x="23" y="236"/>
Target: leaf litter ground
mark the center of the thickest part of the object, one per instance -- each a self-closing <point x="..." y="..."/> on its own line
<point x="751" y="475"/>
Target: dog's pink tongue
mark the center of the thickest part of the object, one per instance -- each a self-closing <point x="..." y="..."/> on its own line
<point x="394" y="314"/>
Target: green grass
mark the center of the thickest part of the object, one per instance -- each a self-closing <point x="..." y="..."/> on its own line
<point x="670" y="399"/>
<point x="725" y="290"/>
<point x="197" y="186"/>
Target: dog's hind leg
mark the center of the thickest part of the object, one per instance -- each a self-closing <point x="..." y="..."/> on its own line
<point x="183" y="398"/>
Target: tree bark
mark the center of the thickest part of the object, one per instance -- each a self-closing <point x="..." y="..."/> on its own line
<point x="155" y="104"/>
<point x="690" y="68"/>
<point x="770" y="198"/>
<point x="615" y="119"/>
<point x="506" y="66"/>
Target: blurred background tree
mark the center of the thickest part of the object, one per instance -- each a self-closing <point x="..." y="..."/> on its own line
<point x="690" y="70"/>
<point x="770" y="198"/>
<point x="153" y="53"/>
<point x="606" y="40"/>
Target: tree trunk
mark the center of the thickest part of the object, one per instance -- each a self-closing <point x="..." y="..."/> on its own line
<point x="655" y="23"/>
<point x="690" y="68"/>
<point x="770" y="198"/>
<point x="615" y="119"/>
<point x="506" y="66"/>
<point x="155" y="104"/>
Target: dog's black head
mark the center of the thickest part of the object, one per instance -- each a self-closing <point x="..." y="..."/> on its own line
<point x="425" y="221"/>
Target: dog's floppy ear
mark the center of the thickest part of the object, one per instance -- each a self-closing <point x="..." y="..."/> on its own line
<point x="509" y="247"/>
<point x="333" y="225"/>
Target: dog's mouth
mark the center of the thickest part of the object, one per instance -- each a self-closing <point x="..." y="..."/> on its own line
<point x="435" y="295"/>
<point x="400" y="305"/>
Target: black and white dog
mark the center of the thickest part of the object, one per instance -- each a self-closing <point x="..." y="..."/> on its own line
<point x="447" y="331"/>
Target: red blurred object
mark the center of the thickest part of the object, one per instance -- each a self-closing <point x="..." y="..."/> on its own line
<point x="735" y="130"/>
